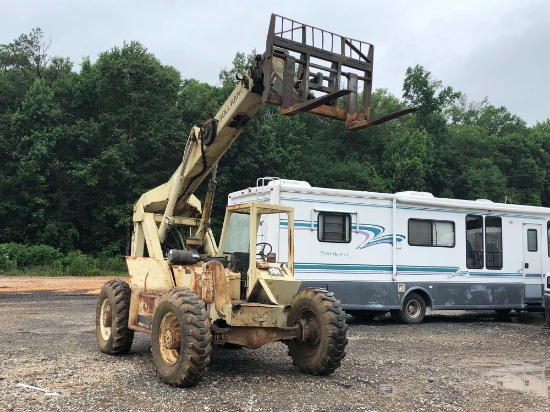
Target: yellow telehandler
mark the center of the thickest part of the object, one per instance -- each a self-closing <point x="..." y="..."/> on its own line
<point x="196" y="295"/>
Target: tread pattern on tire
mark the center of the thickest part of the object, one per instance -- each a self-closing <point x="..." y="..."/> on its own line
<point x="122" y="337"/>
<point x="333" y="317"/>
<point x="198" y="339"/>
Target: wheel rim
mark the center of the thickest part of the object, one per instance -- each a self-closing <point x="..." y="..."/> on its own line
<point x="413" y="308"/>
<point x="312" y="331"/>
<point x="106" y="319"/>
<point x="169" y="339"/>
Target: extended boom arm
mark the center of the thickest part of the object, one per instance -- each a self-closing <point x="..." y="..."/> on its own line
<point x="302" y="70"/>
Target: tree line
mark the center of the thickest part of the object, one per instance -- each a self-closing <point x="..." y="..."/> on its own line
<point x="78" y="148"/>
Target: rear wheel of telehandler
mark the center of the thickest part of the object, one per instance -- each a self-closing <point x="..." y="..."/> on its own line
<point x="111" y="320"/>
<point x="324" y="325"/>
<point x="180" y="338"/>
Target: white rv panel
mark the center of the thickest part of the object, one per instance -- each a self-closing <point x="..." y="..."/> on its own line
<point x="454" y="254"/>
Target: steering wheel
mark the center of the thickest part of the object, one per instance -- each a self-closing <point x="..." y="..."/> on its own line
<point x="262" y="253"/>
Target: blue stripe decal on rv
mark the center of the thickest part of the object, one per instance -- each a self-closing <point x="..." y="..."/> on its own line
<point x="352" y="267"/>
<point x="307" y="224"/>
<point x="403" y="270"/>
<point x="374" y="234"/>
<point x="495" y="274"/>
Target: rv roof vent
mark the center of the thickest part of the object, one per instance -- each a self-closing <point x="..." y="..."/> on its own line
<point x="415" y="194"/>
<point x="484" y="201"/>
<point x="289" y="182"/>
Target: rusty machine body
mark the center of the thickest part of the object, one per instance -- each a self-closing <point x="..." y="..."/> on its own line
<point x="196" y="296"/>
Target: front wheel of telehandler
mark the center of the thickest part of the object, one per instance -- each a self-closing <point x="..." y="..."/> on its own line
<point x="180" y="338"/>
<point x="111" y="320"/>
<point x="324" y="326"/>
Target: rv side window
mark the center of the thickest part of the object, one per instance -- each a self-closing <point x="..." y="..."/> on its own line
<point x="431" y="233"/>
<point x="474" y="242"/>
<point x="493" y="242"/>
<point x="548" y="236"/>
<point x="532" y="245"/>
<point x="334" y="227"/>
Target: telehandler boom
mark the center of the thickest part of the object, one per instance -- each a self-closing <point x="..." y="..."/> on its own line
<point x="196" y="296"/>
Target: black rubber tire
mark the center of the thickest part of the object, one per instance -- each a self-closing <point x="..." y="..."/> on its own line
<point x="111" y="320"/>
<point x="321" y="354"/>
<point x="547" y="316"/>
<point x="414" y="309"/>
<point x="394" y="313"/>
<point x="186" y="363"/>
<point x="503" y="312"/>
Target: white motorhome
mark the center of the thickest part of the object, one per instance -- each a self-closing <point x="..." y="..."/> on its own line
<point x="407" y="251"/>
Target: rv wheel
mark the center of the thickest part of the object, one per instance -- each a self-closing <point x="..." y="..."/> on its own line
<point x="180" y="338"/>
<point x="111" y="318"/>
<point x="414" y="309"/>
<point x="323" y="321"/>
<point x="547" y="316"/>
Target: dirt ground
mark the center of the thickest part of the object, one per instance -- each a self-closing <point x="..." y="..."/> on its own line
<point x="453" y="361"/>
<point x="64" y="284"/>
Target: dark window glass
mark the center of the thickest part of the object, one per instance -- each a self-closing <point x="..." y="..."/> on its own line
<point x="334" y="227"/>
<point x="548" y="237"/>
<point x="474" y="242"/>
<point x="493" y="242"/>
<point x="532" y="241"/>
<point x="431" y="233"/>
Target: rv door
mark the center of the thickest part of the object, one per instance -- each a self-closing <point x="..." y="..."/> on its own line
<point x="532" y="261"/>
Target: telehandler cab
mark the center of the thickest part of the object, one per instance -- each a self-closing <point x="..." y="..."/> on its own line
<point x="195" y="295"/>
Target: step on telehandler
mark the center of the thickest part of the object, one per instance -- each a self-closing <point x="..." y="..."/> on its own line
<point x="191" y="295"/>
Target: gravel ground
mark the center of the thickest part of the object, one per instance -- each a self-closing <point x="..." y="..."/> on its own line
<point x="454" y="361"/>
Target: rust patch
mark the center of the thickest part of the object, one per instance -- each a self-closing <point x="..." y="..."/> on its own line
<point x="206" y="283"/>
<point x="221" y="286"/>
<point x="253" y="337"/>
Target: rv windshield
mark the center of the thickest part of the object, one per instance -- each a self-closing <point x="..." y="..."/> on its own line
<point x="238" y="234"/>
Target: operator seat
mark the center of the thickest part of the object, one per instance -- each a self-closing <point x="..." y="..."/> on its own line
<point x="240" y="261"/>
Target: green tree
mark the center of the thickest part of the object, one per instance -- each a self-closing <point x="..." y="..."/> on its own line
<point x="136" y="139"/>
<point x="496" y="120"/>
<point x="241" y="63"/>
<point x="481" y="179"/>
<point x="408" y="161"/>
<point x="421" y="90"/>
<point x="32" y="201"/>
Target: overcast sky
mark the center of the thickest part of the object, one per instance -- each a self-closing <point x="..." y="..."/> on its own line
<point x="483" y="48"/>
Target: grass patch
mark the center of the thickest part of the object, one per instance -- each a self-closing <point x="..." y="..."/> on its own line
<point x="43" y="260"/>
